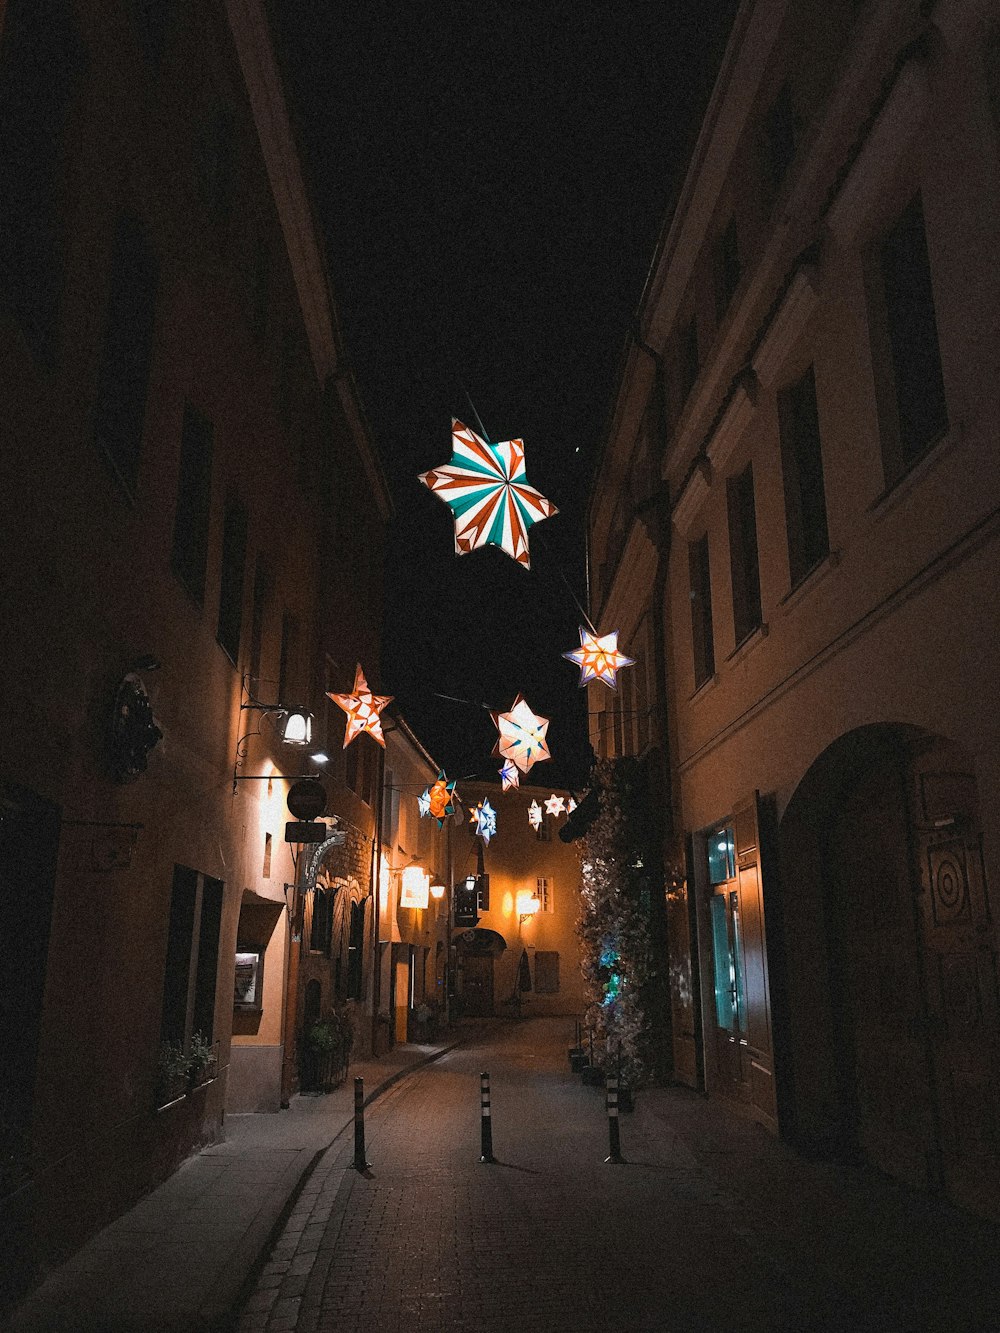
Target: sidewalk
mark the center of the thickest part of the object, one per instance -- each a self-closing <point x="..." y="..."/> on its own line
<point x="179" y="1259"/>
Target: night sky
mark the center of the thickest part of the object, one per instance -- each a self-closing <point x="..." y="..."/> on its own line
<point x="491" y="180"/>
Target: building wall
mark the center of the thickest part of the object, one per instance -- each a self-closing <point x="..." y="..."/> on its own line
<point x="90" y="582"/>
<point x="882" y="643"/>
<point x="516" y="859"/>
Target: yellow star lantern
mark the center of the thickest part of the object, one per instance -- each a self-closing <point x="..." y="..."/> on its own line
<point x="362" y="709"/>
<point x="598" y="658"/>
<point x="522" y="735"/>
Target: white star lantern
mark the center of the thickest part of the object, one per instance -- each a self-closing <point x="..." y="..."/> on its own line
<point x="424" y="802"/>
<point x="484" y="817"/>
<point x="555" y="805"/>
<point x="522" y="735"/>
<point x="509" y="776"/>
<point x="535" y="815"/>
<point x="598" y="658"/>
<point x="486" y="488"/>
<point x="362" y="709"/>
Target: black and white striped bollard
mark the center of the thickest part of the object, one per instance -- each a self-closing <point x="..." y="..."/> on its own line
<point x="486" y="1123"/>
<point x="360" y="1163"/>
<point x="613" y="1133"/>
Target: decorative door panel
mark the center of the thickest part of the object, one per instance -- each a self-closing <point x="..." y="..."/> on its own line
<point x="960" y="977"/>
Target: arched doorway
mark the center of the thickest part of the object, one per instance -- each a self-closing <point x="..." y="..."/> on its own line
<point x="886" y="828"/>
<point x="477" y="949"/>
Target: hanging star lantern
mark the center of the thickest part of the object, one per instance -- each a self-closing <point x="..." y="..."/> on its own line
<point x="441" y="798"/>
<point x="555" y="805"/>
<point x="485" y="819"/>
<point x="424" y="802"/>
<point x="362" y="709"/>
<point x="509" y="776"/>
<point x="535" y="815"/>
<point x="598" y="658"/>
<point x="486" y="488"/>
<point x="570" y="806"/>
<point x="522" y="735"/>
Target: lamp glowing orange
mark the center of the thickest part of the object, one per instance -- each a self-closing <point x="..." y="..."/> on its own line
<point x="437" y="892"/>
<point x="416" y="886"/>
<point x="527" y="903"/>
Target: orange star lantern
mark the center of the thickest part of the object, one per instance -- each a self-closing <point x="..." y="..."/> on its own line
<point x="598" y="658"/>
<point x="362" y="709"/>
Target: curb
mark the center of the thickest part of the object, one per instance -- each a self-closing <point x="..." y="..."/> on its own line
<point x="225" y="1321"/>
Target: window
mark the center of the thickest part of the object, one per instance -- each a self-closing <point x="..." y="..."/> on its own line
<point x="702" y="637"/>
<point x="192" y="960"/>
<point x="546" y="972"/>
<point x="41" y="60"/>
<point x="743" y="554"/>
<point x="727" y="267"/>
<point x="688" y="351"/>
<point x="543" y="892"/>
<point x="779" y="140"/>
<point x="321" y="925"/>
<point x="215" y="164"/>
<point x="544" y="831"/>
<point x="286" y="657"/>
<point x="721" y="855"/>
<point x="194" y="493"/>
<point x="234" y="552"/>
<point x="356" y="952"/>
<point x="802" y="472"/>
<point x="123" y="377"/>
<point x="261" y="594"/>
<point x="914" y="412"/>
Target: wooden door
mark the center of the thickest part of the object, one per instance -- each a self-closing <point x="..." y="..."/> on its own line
<point x="882" y="1028"/>
<point x="758" y="1050"/>
<point x="959" y="964"/>
<point x="477" y="986"/>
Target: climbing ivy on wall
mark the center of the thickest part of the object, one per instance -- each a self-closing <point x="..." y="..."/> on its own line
<point x="619" y="876"/>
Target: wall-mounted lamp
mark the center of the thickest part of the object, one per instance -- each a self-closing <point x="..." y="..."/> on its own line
<point x="527" y="905"/>
<point x="292" y="722"/>
<point x="416" y="886"/>
<point x="437" y="892"/>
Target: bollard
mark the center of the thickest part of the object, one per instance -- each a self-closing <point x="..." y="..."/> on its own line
<point x="613" y="1133"/>
<point x="360" y="1164"/>
<point x="486" y="1122"/>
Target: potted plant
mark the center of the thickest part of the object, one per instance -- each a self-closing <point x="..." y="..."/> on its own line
<point x="201" y="1060"/>
<point x="171" y="1072"/>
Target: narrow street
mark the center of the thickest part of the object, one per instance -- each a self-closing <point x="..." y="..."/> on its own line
<point x="711" y="1224"/>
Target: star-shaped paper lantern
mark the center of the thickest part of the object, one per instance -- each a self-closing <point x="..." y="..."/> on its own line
<point x="535" y="815"/>
<point x="509" y="776"/>
<point x="570" y="806"/>
<point x="598" y="657"/>
<point x="441" y="798"/>
<point x="522" y="735"/>
<point x="424" y="802"/>
<point x="485" y="819"/>
<point x="486" y="488"/>
<point x="362" y="709"/>
<point x="555" y="805"/>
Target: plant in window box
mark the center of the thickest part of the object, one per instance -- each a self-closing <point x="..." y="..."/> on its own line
<point x="172" y="1067"/>
<point x="201" y="1059"/>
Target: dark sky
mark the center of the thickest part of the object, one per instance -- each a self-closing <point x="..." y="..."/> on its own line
<point x="491" y="180"/>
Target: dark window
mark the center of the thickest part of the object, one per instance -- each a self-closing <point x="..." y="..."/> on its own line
<point x="286" y="659"/>
<point x="802" y="470"/>
<point x="41" y="60"/>
<point x="215" y="165"/>
<point x="261" y="287"/>
<point x="702" y="637"/>
<point x="152" y="19"/>
<point x="546" y="972"/>
<point x="356" y="952"/>
<point x="743" y="554"/>
<point x="921" y="411"/>
<point x="234" y="554"/>
<point x="261" y="595"/>
<point x="321" y="926"/>
<point x="192" y="961"/>
<point x="780" y="140"/>
<point x="194" y="496"/>
<point x="727" y="268"/>
<point x="544" y="832"/>
<point x="688" y="351"/>
<point x="123" y="377"/>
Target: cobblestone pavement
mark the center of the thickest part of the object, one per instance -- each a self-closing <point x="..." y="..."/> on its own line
<point x="710" y="1225"/>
